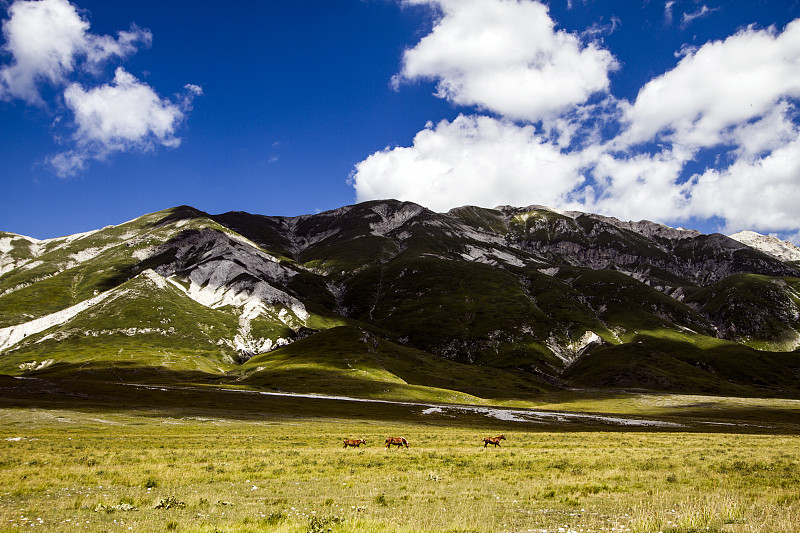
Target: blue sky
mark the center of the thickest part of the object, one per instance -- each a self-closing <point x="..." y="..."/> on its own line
<point x="679" y="111"/>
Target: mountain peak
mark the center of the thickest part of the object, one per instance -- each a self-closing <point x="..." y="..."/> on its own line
<point x="544" y="297"/>
<point x="783" y="250"/>
<point x="181" y="212"/>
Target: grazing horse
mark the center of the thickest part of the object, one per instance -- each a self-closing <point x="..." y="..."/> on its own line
<point x="396" y="441"/>
<point x="355" y="443"/>
<point x="493" y="440"/>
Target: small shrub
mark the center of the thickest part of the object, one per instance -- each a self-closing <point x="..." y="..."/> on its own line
<point x="594" y="489"/>
<point x="273" y="519"/>
<point x="318" y="524"/>
<point x="382" y="500"/>
<point x="150" y="483"/>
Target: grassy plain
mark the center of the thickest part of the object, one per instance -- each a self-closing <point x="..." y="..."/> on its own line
<point x="181" y="460"/>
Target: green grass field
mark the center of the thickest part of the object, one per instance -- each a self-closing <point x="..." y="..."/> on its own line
<point x="115" y="458"/>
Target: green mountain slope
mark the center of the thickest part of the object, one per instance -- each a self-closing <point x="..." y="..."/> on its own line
<point x="468" y="304"/>
<point x="353" y="361"/>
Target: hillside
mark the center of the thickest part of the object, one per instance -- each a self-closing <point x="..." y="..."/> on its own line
<point x="388" y="298"/>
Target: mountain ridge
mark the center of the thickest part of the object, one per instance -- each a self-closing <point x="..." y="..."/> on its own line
<point x="539" y="295"/>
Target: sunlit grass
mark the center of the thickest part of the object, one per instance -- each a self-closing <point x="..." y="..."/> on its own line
<point x="68" y="470"/>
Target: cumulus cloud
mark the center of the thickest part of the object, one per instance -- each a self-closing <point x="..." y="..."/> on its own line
<point x="123" y="115"/>
<point x="47" y="39"/>
<point x="124" y="111"/>
<point x="471" y="160"/>
<point x="635" y="187"/>
<point x="506" y="56"/>
<point x="42" y="38"/>
<point x="761" y="194"/>
<point x="760" y="136"/>
<point x="49" y="45"/>
<point x="735" y="97"/>
<point x="719" y="85"/>
<point x="732" y="100"/>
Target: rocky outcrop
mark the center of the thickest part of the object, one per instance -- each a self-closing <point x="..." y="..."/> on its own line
<point x="783" y="250"/>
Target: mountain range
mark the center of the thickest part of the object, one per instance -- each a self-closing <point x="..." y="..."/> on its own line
<point x="387" y="298"/>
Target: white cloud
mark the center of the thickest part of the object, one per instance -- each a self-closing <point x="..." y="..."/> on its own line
<point x="734" y="99"/>
<point x="668" y="11"/>
<point x="47" y="39"/>
<point x="756" y="189"/>
<point x="193" y="89"/>
<point x="49" y="43"/>
<point x="717" y="86"/>
<point x="636" y="187"/>
<point x="761" y="136"/>
<point x="125" y="111"/>
<point x="760" y="194"/>
<point x="100" y="48"/>
<point x="507" y="57"/>
<point x="42" y="37"/>
<point x="121" y="116"/>
<point x="473" y="160"/>
<point x="687" y="18"/>
<point x="598" y="29"/>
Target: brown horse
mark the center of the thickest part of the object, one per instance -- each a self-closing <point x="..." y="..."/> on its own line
<point x="493" y="440"/>
<point x="396" y="441"/>
<point x="355" y="443"/>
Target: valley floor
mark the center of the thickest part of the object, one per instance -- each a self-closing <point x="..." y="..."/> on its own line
<point x="77" y="456"/>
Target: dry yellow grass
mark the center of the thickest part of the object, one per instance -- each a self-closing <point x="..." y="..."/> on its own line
<point x="66" y="470"/>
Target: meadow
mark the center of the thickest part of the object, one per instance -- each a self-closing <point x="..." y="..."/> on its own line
<point x="171" y="461"/>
